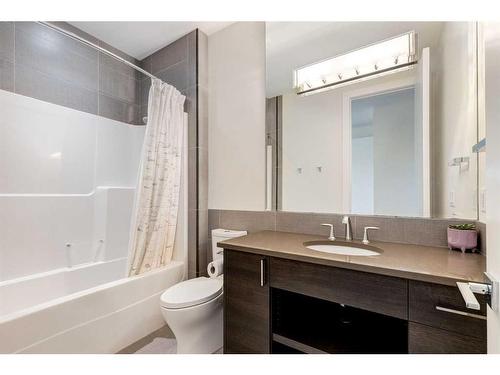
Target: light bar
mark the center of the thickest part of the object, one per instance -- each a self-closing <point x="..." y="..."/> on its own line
<point x="390" y="55"/>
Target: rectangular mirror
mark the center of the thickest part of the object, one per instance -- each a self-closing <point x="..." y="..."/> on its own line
<point x="372" y="118"/>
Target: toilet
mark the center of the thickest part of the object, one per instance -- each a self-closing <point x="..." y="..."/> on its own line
<point x="193" y="308"/>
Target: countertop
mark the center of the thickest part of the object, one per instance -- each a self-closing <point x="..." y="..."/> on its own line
<point x="424" y="263"/>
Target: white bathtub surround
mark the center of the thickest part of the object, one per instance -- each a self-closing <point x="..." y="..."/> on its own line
<point x="67" y="181"/>
<point x="157" y="200"/>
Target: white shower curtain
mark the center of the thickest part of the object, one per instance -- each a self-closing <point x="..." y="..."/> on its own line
<point x="157" y="196"/>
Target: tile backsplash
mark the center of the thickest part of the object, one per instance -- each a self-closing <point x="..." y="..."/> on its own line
<point x="419" y="231"/>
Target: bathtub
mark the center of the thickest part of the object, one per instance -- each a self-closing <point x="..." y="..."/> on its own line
<point x="64" y="232"/>
<point x="70" y="310"/>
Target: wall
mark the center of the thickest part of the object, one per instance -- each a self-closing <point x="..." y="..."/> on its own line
<point x="236" y="60"/>
<point x="362" y="175"/>
<point x="312" y="137"/>
<point x="41" y="63"/>
<point x="183" y="64"/>
<point x="394" y="156"/>
<point x="66" y="177"/>
<point x="455" y="108"/>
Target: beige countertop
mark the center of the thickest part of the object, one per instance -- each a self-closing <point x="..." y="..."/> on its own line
<point x="415" y="262"/>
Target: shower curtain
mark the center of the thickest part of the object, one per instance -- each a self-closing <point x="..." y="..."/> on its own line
<point x="157" y="196"/>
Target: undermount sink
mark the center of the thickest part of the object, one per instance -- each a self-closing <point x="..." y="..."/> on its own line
<point x="342" y="248"/>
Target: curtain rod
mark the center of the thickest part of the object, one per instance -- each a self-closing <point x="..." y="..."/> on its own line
<point x="96" y="47"/>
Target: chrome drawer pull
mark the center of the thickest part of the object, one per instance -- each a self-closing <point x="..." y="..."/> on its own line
<point x="458" y="312"/>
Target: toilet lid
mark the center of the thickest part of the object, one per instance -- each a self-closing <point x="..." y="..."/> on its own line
<point x="191" y="292"/>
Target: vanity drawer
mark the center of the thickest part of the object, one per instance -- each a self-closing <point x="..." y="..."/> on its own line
<point x="440" y="306"/>
<point x="423" y="339"/>
<point x="382" y="294"/>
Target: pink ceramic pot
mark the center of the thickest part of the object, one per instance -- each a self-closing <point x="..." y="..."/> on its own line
<point x="462" y="239"/>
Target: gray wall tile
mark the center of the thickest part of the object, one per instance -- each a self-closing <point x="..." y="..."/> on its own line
<point x="7" y="41"/>
<point x="37" y="85"/>
<point x="52" y="67"/>
<point x="213" y="221"/>
<point x="309" y="223"/>
<point x="192" y="243"/>
<point x="193" y="54"/>
<point x="56" y="55"/>
<point x="59" y="42"/>
<point x="391" y="229"/>
<point x="175" y="75"/>
<point x="112" y="63"/>
<point x="119" y="85"/>
<point x="118" y="110"/>
<point x="169" y="55"/>
<point x="427" y="232"/>
<point x="6" y="75"/>
<point x="146" y="64"/>
<point x="144" y="113"/>
<point x="193" y="178"/>
<point x="191" y="107"/>
<point x="202" y="242"/>
<point x="145" y="86"/>
<point x="252" y="221"/>
<point x="202" y="116"/>
<point x="202" y="178"/>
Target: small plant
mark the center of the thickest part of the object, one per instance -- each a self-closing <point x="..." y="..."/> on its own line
<point x="468" y="226"/>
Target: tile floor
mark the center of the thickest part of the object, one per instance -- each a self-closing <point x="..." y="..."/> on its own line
<point x="161" y="341"/>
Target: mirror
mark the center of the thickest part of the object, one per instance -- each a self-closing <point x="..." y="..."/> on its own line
<point x="372" y="118"/>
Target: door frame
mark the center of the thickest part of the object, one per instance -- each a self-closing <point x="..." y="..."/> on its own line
<point x="347" y="98"/>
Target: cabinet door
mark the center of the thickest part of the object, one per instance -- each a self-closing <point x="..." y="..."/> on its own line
<point x="246" y="303"/>
<point x="423" y="339"/>
<point x="443" y="307"/>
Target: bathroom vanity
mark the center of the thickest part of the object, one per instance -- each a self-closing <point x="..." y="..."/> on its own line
<point x="281" y="297"/>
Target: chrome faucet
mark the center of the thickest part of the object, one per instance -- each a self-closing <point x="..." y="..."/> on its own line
<point x="332" y="234"/>
<point x="348" y="230"/>
<point x="365" y="235"/>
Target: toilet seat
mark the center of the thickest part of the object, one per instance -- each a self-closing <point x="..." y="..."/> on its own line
<point x="191" y="293"/>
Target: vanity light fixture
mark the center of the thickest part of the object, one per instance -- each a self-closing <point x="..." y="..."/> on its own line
<point x="385" y="57"/>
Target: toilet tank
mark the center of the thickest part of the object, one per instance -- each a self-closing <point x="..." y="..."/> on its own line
<point x="221" y="235"/>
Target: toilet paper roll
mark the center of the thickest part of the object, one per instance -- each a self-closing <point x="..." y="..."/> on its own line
<point x="214" y="268"/>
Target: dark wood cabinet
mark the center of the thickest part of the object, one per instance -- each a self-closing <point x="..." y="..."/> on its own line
<point x="440" y="322"/>
<point x="423" y="339"/>
<point x="246" y="303"/>
<point x="377" y="293"/>
<point x="278" y="305"/>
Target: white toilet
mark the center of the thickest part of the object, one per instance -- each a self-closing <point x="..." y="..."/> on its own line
<point x="193" y="308"/>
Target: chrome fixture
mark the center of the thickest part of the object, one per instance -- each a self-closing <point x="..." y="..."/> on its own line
<point x="365" y="234"/>
<point x="348" y="230"/>
<point x="332" y="234"/>
<point x="459" y="161"/>
<point x="489" y="288"/>
<point x="480" y="146"/>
